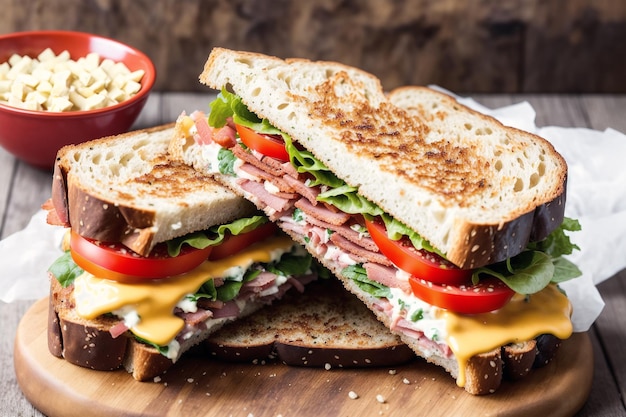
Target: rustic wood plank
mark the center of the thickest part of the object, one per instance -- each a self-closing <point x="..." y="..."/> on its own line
<point x="13" y="402"/>
<point x="151" y="113"/>
<point x="175" y="103"/>
<point x="7" y="170"/>
<point x="30" y="189"/>
<point x="606" y="111"/>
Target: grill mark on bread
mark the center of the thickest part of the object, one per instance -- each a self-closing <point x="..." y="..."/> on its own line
<point x="442" y="167"/>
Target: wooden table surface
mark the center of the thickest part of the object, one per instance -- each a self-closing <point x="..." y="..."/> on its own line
<point x="23" y="189"/>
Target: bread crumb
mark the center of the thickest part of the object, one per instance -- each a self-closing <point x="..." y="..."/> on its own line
<point x="353" y="395"/>
<point x="157" y="379"/>
<point x="392" y="372"/>
<point x="406" y="381"/>
<point x="327" y="366"/>
<point x="380" y="399"/>
<point x="190" y="380"/>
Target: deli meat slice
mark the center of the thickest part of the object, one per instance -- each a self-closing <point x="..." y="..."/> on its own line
<point x="278" y="182"/>
<point x="310" y="193"/>
<point x="359" y="253"/>
<point x="275" y="202"/>
<point x="346" y="231"/>
<point x="245" y="156"/>
<point x="386" y="275"/>
<point x="322" y="212"/>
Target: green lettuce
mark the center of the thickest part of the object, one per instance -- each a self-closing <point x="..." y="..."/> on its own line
<point x="65" y="270"/>
<point x="215" y="235"/>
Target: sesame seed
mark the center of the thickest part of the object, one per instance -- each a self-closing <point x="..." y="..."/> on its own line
<point x="353" y="395"/>
<point x="380" y="399"/>
<point x="327" y="366"/>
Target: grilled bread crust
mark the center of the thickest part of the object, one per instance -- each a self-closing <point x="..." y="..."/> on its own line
<point x="125" y="189"/>
<point x="477" y="190"/>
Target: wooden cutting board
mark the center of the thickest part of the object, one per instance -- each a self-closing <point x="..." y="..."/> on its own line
<point x="198" y="386"/>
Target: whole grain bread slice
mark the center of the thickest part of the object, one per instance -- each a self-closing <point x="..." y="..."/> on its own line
<point x="324" y="327"/>
<point x="475" y="189"/>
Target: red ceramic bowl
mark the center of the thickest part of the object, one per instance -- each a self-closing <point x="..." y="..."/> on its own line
<point x="36" y="136"/>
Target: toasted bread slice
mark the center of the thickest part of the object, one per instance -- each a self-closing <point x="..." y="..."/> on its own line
<point x="324" y="327"/>
<point x="475" y="189"/>
<point x="125" y="189"/>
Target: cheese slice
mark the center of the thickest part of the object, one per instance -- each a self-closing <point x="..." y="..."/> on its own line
<point x="155" y="300"/>
<point x="522" y="319"/>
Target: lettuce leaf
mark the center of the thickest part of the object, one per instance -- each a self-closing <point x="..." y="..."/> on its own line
<point x="540" y="264"/>
<point x="226" y="162"/>
<point x="65" y="270"/>
<point x="359" y="275"/>
<point x="215" y="235"/>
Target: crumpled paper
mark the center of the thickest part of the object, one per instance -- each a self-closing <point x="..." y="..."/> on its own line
<point x="596" y="196"/>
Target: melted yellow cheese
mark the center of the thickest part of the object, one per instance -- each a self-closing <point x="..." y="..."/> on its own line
<point x="154" y="300"/>
<point x="522" y="319"/>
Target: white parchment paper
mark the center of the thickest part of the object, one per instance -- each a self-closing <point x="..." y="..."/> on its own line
<point x="596" y="196"/>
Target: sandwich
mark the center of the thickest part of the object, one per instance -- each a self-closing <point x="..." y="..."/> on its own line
<point x="157" y="256"/>
<point x="449" y="226"/>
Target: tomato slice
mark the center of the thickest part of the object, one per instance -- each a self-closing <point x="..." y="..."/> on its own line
<point x="235" y="243"/>
<point x="268" y="145"/>
<point x="115" y="261"/>
<point x="488" y="295"/>
<point x="419" y="263"/>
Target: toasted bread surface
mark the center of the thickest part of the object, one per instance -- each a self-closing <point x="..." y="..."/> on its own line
<point x="325" y="326"/>
<point x="477" y="190"/>
<point x="125" y="189"/>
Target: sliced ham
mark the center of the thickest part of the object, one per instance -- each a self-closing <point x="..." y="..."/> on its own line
<point x="197" y="317"/>
<point x="258" y="190"/>
<point x="278" y="182"/>
<point x="290" y="170"/>
<point x="322" y="212"/>
<point x="310" y="193"/>
<point x="359" y="253"/>
<point x="230" y="309"/>
<point x="386" y="275"/>
<point x="262" y="282"/>
<point x="346" y="231"/>
<point x="225" y="136"/>
<point x="205" y="132"/>
<point x="246" y="156"/>
<point x="118" y="329"/>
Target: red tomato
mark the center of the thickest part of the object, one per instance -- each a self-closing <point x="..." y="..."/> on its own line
<point x="420" y="263"/>
<point x="115" y="261"/>
<point x="235" y="243"/>
<point x="269" y="145"/>
<point x="488" y="295"/>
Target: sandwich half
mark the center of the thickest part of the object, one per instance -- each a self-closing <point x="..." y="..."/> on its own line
<point x="448" y="225"/>
<point x="157" y="256"/>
